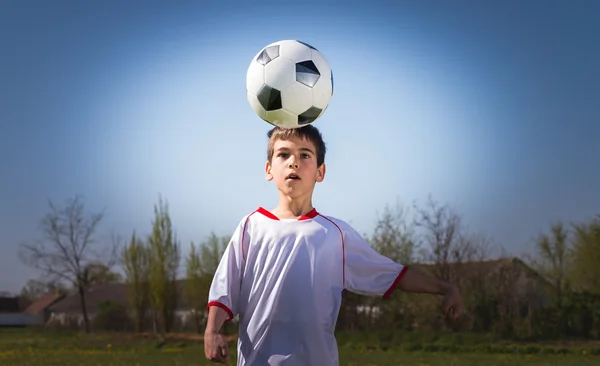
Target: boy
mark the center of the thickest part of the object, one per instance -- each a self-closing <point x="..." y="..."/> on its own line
<point x="284" y="269"/>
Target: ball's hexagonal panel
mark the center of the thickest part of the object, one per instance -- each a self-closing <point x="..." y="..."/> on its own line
<point x="309" y="116"/>
<point x="280" y="73"/>
<point x="297" y="98"/>
<point x="282" y="118"/>
<point x="256" y="106"/>
<point x="294" y="50"/>
<point x="268" y="54"/>
<point x="269" y="98"/>
<point x="320" y="62"/>
<point x="307" y="73"/>
<point x="322" y="92"/>
<point x="255" y="77"/>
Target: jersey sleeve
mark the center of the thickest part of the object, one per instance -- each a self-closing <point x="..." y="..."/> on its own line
<point x="224" y="290"/>
<point x="366" y="272"/>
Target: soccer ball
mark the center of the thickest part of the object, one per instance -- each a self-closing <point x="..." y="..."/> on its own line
<point x="289" y="84"/>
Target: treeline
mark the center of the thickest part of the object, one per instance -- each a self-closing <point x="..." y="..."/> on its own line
<point x="552" y="294"/>
<point x="155" y="290"/>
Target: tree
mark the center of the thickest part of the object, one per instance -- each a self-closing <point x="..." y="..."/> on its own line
<point x="195" y="289"/>
<point x="68" y="247"/>
<point x="34" y="288"/>
<point x="164" y="264"/>
<point x="584" y="277"/>
<point x="586" y="256"/>
<point x="211" y="251"/>
<point x="99" y="273"/>
<point x="442" y="232"/>
<point x="553" y="258"/>
<point x="136" y="262"/>
<point x="394" y="238"/>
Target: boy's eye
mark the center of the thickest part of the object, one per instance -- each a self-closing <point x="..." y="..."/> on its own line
<point x="283" y="155"/>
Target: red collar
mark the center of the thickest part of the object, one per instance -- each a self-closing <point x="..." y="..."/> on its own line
<point x="310" y="215"/>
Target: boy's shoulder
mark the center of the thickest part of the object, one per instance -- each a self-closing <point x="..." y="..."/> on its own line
<point x="343" y="225"/>
<point x="334" y="220"/>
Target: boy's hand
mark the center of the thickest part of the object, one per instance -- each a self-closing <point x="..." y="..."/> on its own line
<point x="215" y="347"/>
<point x="453" y="305"/>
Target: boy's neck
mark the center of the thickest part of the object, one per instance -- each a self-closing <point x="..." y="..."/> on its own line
<point x="289" y="208"/>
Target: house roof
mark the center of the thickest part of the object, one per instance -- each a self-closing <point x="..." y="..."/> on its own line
<point x="42" y="303"/>
<point x="9" y="305"/>
<point x="96" y="295"/>
<point x="479" y="269"/>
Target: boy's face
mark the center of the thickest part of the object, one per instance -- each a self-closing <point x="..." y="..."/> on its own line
<point x="293" y="167"/>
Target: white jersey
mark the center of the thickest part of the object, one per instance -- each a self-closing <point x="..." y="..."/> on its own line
<point x="284" y="278"/>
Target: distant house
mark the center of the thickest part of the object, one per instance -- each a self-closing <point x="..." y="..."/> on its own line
<point x="10" y="313"/>
<point x="509" y="274"/>
<point x="40" y="306"/>
<point x="94" y="297"/>
<point x="67" y="311"/>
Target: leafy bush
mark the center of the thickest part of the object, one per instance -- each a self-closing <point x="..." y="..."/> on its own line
<point x="112" y="317"/>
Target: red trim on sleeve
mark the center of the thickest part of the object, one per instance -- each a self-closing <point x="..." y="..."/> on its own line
<point x="388" y="293"/>
<point x="222" y="306"/>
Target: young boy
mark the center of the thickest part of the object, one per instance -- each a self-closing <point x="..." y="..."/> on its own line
<point x="284" y="269"/>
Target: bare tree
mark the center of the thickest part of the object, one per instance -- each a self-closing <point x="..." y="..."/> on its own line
<point x="442" y="233"/>
<point x="67" y="248"/>
<point x="393" y="237"/>
<point x="34" y="288"/>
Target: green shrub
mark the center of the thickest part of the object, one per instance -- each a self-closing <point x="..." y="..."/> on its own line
<point x="112" y="316"/>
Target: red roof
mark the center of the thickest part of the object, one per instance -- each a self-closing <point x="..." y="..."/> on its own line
<point x="42" y="302"/>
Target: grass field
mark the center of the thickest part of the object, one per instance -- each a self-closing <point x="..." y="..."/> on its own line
<point x="28" y="348"/>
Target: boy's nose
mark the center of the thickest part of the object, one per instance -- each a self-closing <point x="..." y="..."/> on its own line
<point x="294" y="164"/>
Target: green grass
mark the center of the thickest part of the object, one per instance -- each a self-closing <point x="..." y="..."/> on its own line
<point x="29" y="347"/>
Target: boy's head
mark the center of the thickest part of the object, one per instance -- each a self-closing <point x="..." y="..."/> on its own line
<point x="309" y="133"/>
<point x="295" y="160"/>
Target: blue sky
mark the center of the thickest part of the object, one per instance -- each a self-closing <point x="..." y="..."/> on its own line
<point x="491" y="106"/>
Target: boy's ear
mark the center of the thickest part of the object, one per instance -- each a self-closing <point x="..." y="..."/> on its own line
<point x="321" y="173"/>
<point x="268" y="174"/>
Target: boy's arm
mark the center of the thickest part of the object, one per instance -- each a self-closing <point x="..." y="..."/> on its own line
<point x="216" y="318"/>
<point x="369" y="273"/>
<point x="416" y="282"/>
<point x="224" y="291"/>
<point x="215" y="345"/>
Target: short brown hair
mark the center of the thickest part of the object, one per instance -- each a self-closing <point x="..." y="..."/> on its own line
<point x="308" y="132"/>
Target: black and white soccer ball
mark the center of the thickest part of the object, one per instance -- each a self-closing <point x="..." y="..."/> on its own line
<point x="289" y="84"/>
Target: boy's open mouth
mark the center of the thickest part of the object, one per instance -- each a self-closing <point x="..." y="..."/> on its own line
<point x="293" y="176"/>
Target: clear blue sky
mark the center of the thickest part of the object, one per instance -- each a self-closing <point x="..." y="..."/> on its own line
<point x="493" y="107"/>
